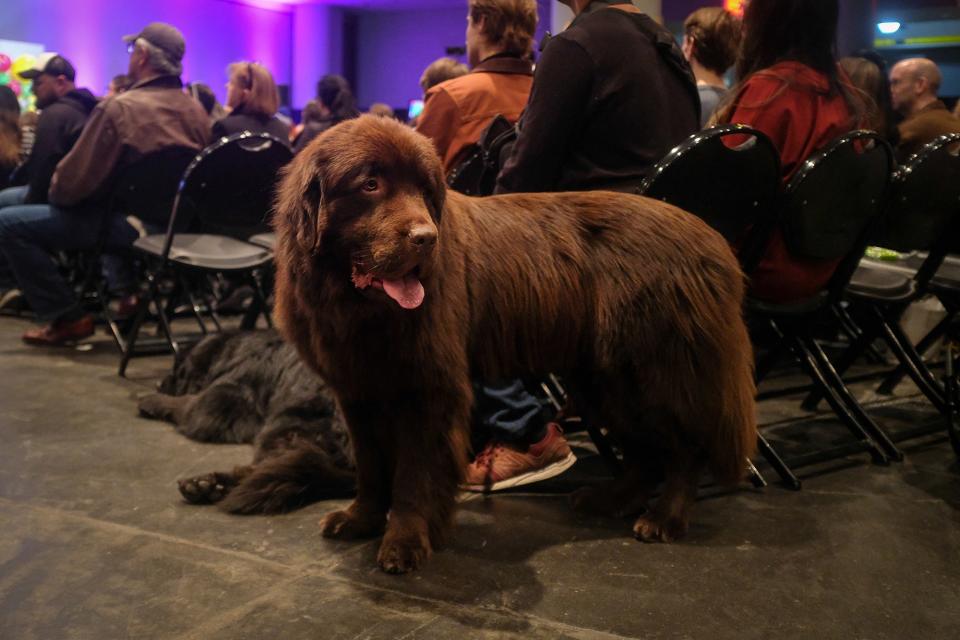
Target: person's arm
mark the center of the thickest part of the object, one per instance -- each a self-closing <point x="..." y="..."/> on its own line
<point x="85" y="170"/>
<point x="439" y="121"/>
<point x="559" y="98"/>
<point x="47" y="150"/>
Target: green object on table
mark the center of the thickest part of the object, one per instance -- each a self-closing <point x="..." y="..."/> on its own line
<point x="880" y="253"/>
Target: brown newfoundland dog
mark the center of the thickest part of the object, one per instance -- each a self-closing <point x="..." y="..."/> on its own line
<point x="399" y="293"/>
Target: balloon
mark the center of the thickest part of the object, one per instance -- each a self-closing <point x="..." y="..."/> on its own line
<point x="21" y="64"/>
<point x="4" y="77"/>
<point x="15" y="86"/>
<point x="4" y="62"/>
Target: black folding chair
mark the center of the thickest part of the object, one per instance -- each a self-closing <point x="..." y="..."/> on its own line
<point x="729" y="177"/>
<point x="831" y="205"/>
<point x="923" y="214"/>
<point x="144" y="190"/>
<point x="224" y="198"/>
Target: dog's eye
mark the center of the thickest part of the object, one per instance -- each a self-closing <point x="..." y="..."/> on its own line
<point x="370" y="185"/>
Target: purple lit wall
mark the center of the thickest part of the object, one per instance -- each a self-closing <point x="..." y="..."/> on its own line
<point x="317" y="48"/>
<point x="217" y="32"/>
<point x="394" y="47"/>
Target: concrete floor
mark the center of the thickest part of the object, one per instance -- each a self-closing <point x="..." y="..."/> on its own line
<point x="95" y="542"/>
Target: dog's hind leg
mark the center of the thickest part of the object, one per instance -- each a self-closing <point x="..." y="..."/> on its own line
<point x="670" y="516"/>
<point x="211" y="488"/>
<point x="618" y="497"/>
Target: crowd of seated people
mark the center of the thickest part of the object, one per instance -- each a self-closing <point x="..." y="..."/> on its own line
<point x="609" y="97"/>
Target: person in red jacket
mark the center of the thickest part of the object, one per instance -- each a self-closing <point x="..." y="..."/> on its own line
<point x="791" y="88"/>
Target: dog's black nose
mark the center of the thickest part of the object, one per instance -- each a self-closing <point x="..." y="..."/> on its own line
<point x="423" y="237"/>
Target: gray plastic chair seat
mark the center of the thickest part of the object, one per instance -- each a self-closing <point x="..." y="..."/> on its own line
<point x="265" y="240"/>
<point x="877" y="281"/>
<point x="948" y="275"/>
<point x="207" y="251"/>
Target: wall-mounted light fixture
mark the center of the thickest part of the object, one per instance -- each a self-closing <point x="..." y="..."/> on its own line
<point x="888" y="28"/>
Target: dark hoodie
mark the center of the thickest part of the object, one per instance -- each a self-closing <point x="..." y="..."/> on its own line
<point x="57" y="130"/>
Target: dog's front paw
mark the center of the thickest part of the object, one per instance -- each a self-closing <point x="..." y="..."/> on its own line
<point x="209" y="488"/>
<point x="402" y="555"/>
<point x="654" y="528"/>
<point x="347" y="525"/>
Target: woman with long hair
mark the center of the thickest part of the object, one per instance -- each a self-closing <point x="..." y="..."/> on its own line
<point x="334" y="104"/>
<point x="867" y="71"/>
<point x="9" y="134"/>
<point x="253" y="101"/>
<point x="791" y="88"/>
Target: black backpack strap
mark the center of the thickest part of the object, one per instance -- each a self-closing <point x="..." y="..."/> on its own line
<point x="476" y="175"/>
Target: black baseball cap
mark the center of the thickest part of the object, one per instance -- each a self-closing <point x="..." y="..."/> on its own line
<point x="163" y="36"/>
<point x="52" y="64"/>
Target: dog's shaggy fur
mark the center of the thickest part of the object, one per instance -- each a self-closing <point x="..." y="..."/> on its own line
<point x="253" y="387"/>
<point x="398" y="293"/>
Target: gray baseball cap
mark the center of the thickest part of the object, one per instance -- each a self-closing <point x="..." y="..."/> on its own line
<point x="163" y="36"/>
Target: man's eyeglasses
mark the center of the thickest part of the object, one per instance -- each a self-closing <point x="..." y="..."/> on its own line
<point x="131" y="46"/>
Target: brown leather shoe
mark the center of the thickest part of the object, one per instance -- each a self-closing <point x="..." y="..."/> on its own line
<point x="60" y="333"/>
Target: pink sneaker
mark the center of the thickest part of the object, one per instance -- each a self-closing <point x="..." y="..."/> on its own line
<point x="501" y="466"/>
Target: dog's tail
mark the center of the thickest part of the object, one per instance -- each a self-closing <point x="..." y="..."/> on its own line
<point x="288" y="480"/>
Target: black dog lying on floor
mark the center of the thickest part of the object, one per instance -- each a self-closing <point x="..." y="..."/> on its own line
<point x="252" y="387"/>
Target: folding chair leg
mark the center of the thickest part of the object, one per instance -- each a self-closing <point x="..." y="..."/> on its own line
<point x="853" y="352"/>
<point x="953" y="395"/>
<point x="756" y="478"/>
<point x="258" y="307"/>
<point x="606" y="451"/>
<point x="844" y="404"/>
<point x="897" y="375"/>
<point x="143" y="306"/>
<point x="194" y="305"/>
<point x="914" y="365"/>
<point x="772" y="457"/>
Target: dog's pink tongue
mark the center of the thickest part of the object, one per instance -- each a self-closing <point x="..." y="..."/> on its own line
<point x="408" y="292"/>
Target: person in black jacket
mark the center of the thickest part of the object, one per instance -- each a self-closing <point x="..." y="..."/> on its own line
<point x="611" y="96"/>
<point x="253" y="99"/>
<point x="64" y="110"/>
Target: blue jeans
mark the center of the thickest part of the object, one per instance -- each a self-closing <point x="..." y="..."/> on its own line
<point x="507" y="412"/>
<point x="31" y="233"/>
<point x="12" y="196"/>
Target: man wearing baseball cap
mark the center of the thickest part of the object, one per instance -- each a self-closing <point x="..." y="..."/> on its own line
<point x="153" y="115"/>
<point x="64" y="110"/>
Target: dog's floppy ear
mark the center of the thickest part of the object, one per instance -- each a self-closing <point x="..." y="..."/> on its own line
<point x="436" y="194"/>
<point x="300" y="212"/>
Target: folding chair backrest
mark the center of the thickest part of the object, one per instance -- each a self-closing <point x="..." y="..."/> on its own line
<point x="729" y="176"/>
<point x="925" y="201"/>
<point x="836" y="195"/>
<point x="229" y="188"/>
<point x="147" y="188"/>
